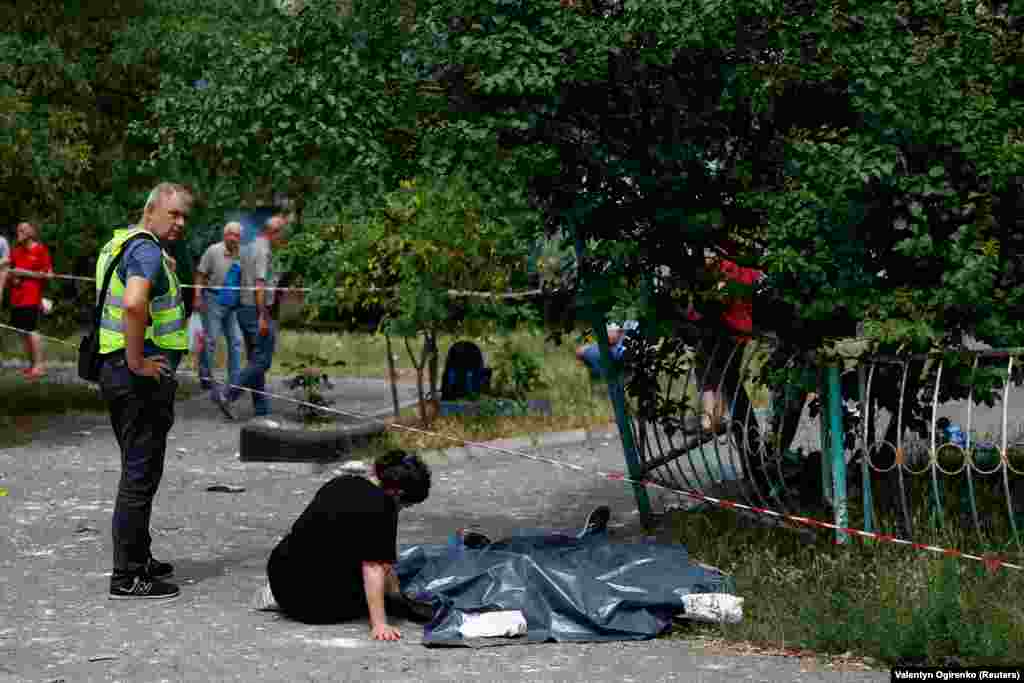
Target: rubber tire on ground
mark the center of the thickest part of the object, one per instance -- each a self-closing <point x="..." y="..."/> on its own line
<point x="261" y="443"/>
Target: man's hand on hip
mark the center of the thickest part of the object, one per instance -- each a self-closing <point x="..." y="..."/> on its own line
<point x="154" y="367"/>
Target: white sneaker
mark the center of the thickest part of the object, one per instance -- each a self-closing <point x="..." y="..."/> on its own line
<point x="263" y="600"/>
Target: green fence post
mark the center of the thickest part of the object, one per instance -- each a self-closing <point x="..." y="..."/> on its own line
<point x="865" y="468"/>
<point x="616" y="393"/>
<point x="826" y="460"/>
<point x="835" y="413"/>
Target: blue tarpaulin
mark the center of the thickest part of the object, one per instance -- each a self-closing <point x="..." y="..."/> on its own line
<point x="568" y="588"/>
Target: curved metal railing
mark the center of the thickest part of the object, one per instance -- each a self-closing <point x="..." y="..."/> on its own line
<point x="903" y="455"/>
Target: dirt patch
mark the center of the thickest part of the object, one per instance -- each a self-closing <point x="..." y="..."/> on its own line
<point x="810" y="661"/>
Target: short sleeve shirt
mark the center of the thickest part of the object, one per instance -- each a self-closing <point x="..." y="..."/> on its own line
<point x="349" y="521"/>
<point x="29" y="291"/>
<point x="739" y="314"/>
<point x="257" y="264"/>
<point x="216" y="263"/>
<point x="144" y="258"/>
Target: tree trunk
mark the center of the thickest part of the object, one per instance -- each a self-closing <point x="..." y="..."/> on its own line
<point x="420" y="366"/>
<point x="432" y="365"/>
<point x="392" y="375"/>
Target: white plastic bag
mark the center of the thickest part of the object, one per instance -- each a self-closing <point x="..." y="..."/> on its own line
<point x="196" y="334"/>
<point x="507" y="624"/>
<point x="714" y="608"/>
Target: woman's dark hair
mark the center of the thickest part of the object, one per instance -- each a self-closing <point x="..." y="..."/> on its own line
<point x="397" y="469"/>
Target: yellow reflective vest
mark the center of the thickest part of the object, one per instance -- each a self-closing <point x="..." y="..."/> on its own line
<point x="166" y="329"/>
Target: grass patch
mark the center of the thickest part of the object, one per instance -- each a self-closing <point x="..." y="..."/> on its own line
<point x="563" y="381"/>
<point x="577" y="403"/>
<point x="890" y="603"/>
<point x="27" y="407"/>
<point x="483" y="429"/>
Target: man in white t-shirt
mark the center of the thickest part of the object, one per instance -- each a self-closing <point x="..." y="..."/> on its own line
<point x="220" y="266"/>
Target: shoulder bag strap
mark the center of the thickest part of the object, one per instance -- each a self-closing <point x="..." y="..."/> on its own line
<point x="98" y="313"/>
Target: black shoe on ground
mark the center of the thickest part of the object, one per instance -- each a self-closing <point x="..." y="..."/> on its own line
<point x="156" y="569"/>
<point x="474" y="540"/>
<point x="142" y="588"/>
<point x="597" y="521"/>
<point x="409" y="609"/>
<point x="221" y="401"/>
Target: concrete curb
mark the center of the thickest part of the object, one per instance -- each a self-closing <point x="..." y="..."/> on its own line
<point x="440" y="458"/>
<point x="450" y="456"/>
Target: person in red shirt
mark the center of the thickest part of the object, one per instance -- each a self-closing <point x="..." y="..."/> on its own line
<point x="31" y="266"/>
<point x="718" y="371"/>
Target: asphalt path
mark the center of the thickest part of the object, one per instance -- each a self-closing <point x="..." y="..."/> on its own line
<point x="56" y="623"/>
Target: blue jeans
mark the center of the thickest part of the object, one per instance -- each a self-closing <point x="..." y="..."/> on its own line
<point x="592" y="358"/>
<point x="260" y="351"/>
<point x="220" y="321"/>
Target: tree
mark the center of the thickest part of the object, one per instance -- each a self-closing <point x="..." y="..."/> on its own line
<point x="892" y="201"/>
<point x="309" y="103"/>
<point x="648" y="130"/>
<point x="428" y="257"/>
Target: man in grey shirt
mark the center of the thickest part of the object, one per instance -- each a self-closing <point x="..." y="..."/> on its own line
<point x="258" y="329"/>
<point x="219" y="267"/>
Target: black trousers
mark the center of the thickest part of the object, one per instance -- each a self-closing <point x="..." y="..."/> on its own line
<point x="141" y="413"/>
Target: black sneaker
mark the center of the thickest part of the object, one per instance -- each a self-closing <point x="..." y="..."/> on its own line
<point x="221" y="401"/>
<point x="158" y="570"/>
<point x="597" y="521"/>
<point x="474" y="540"/>
<point x="142" y="588"/>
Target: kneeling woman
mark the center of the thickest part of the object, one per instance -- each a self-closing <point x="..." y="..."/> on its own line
<point x="336" y="563"/>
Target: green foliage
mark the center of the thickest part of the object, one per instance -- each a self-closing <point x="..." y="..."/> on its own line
<point x="309" y="100"/>
<point x="517" y="372"/>
<point x="62" y="102"/>
<point x="425" y="239"/>
<point x="309" y="382"/>
<point x="648" y="130"/>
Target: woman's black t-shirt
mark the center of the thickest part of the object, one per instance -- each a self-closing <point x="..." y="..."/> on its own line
<point x="315" y="572"/>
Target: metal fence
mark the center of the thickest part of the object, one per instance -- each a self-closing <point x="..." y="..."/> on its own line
<point x="878" y="442"/>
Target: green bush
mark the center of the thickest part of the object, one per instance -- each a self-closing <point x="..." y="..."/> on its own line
<point x="517" y="372"/>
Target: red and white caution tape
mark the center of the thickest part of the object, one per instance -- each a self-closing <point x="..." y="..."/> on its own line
<point x="991" y="561"/>
<point x="525" y="294"/>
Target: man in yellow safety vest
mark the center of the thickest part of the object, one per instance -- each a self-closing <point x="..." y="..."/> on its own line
<point x="142" y="338"/>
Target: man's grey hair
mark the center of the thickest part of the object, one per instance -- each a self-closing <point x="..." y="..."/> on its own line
<point x="233" y="226"/>
<point x="161" y="192"/>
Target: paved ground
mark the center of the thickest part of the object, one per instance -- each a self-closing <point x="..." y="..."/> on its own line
<point x="56" y="623"/>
